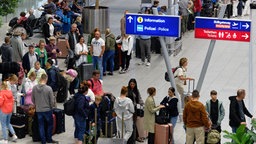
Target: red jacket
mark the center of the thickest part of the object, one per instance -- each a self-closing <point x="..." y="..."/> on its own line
<point x="6" y="101"/>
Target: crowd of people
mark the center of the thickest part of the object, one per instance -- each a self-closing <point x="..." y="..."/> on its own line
<point x="40" y="67"/>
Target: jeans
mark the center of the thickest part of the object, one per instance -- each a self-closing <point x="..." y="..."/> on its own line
<point x="80" y="128"/>
<point x="5" y="123"/>
<point x="234" y="129"/>
<point x="97" y="61"/>
<point x="197" y="14"/>
<point x="108" y="55"/>
<point x="45" y="118"/>
<point x="173" y="121"/>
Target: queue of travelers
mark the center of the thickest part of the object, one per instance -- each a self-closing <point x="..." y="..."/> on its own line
<point x="40" y="67"/>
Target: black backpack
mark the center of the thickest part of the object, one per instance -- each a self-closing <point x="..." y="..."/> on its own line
<point x="69" y="106"/>
<point x="166" y="75"/>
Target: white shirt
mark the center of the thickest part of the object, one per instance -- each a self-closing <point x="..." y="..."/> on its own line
<point x="32" y="59"/>
<point x="51" y="27"/>
<point x="180" y="72"/>
<point x="127" y="44"/>
<point x="29" y="84"/>
<point x="97" y="46"/>
<point x="79" y="48"/>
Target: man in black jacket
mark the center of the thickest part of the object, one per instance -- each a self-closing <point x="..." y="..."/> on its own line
<point x="29" y="59"/>
<point x="237" y="110"/>
<point x="7" y="52"/>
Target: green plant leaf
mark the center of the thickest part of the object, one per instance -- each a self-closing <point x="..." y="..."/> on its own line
<point x="245" y="139"/>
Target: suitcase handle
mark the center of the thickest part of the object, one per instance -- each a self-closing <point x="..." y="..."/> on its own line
<point x="189" y="85"/>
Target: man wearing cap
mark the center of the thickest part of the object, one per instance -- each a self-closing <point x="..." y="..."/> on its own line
<point x="29" y="59"/>
<point x="17" y="45"/>
<point x="52" y="50"/>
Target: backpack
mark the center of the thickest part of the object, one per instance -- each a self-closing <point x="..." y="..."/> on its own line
<point x="60" y="79"/>
<point x="69" y="106"/>
<point x="213" y="137"/>
<point x="166" y="75"/>
<point x="92" y="84"/>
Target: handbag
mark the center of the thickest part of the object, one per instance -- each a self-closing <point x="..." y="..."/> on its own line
<point x="140" y="112"/>
<point x="162" y="117"/>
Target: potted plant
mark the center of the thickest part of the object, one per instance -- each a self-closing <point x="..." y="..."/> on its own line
<point x="243" y="135"/>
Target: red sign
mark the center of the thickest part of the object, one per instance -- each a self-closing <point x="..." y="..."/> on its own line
<point x="222" y="34"/>
<point x="222" y="29"/>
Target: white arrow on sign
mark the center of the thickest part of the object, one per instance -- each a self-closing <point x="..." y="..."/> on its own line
<point x="130" y="19"/>
<point x="246" y="26"/>
<point x="245" y="36"/>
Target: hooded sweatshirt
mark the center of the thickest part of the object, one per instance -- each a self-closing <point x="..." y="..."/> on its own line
<point x="110" y="42"/>
<point x="195" y="115"/>
<point x="7" y="52"/>
<point x="6" y="101"/>
<point x="124" y="105"/>
<point x="42" y="97"/>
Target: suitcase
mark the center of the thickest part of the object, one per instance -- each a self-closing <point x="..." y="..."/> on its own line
<point x="163" y="134"/>
<point x="111" y="140"/>
<point x="111" y="128"/>
<point x="61" y="45"/>
<point x="20" y="121"/>
<point x="85" y="71"/>
<point x="60" y="120"/>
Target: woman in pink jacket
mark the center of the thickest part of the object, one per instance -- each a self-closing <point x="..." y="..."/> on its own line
<point x="6" y="107"/>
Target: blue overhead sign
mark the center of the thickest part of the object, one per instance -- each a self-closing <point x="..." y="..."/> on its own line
<point x="153" y="25"/>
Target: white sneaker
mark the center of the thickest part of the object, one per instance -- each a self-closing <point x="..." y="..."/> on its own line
<point x="141" y="63"/>
<point x="4" y="141"/>
<point x="148" y="64"/>
<point x="14" y="138"/>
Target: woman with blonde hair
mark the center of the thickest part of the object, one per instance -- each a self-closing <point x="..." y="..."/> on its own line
<point x="181" y="77"/>
<point x="79" y="24"/>
<point x="29" y="84"/>
<point x="6" y="108"/>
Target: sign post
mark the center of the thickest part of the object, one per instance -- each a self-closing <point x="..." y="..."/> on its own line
<point x="155" y="25"/>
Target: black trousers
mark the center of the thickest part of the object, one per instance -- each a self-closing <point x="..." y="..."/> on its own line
<point x="125" y="60"/>
<point x="151" y="138"/>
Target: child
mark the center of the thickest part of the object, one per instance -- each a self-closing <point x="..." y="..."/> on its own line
<point x="216" y="111"/>
<point x="96" y="105"/>
<point x="12" y="85"/>
<point x="6" y="107"/>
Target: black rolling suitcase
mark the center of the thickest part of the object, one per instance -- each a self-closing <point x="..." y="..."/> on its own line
<point x="85" y="71"/>
<point x="111" y="140"/>
<point x="60" y="120"/>
<point x="109" y="125"/>
<point x="19" y="124"/>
